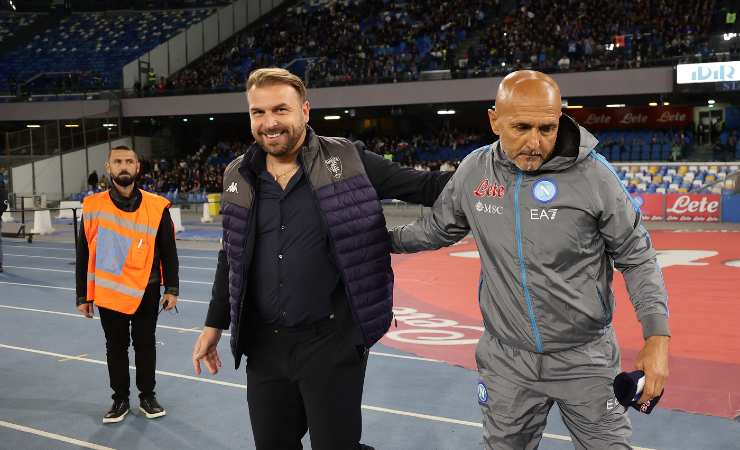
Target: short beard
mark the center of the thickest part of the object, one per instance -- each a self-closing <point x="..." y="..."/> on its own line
<point x="293" y="135"/>
<point x="124" y="182"/>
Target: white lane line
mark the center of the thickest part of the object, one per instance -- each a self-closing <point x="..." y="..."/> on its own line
<point x="80" y="316"/>
<point x="426" y="417"/>
<point x="212" y="269"/>
<point x="37" y="285"/>
<point x="44" y="286"/>
<point x="72" y="271"/>
<point x="187" y="300"/>
<point x="38" y="268"/>
<point x="41" y="257"/>
<point x="241" y="386"/>
<point x="416" y="358"/>
<point x="96" y="361"/>
<point x="67" y="359"/>
<point x="56" y="437"/>
<point x="213" y="258"/>
<point x="197" y="329"/>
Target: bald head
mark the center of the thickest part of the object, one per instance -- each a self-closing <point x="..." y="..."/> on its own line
<point x="526" y="117"/>
<point x="527" y="88"/>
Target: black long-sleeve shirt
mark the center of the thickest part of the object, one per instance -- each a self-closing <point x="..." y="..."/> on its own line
<point x="165" y="249"/>
<point x="293" y="275"/>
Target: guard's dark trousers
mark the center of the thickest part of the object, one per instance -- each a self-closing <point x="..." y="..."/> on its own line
<point x="143" y="324"/>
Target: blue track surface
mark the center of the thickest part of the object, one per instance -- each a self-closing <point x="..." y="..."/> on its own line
<point x="409" y="403"/>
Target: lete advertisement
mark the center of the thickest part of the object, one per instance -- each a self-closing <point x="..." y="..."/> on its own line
<point x="638" y="117"/>
<point x="692" y="208"/>
<point x="652" y="206"/>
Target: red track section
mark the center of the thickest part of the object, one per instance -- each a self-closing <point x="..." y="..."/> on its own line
<point x="438" y="315"/>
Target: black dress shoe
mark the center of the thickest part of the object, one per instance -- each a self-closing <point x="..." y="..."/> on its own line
<point x="151" y="407"/>
<point x="117" y="412"/>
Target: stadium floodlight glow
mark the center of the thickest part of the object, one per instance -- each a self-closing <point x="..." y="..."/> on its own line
<point x="12" y="5"/>
<point x="666" y="103"/>
<point x="71" y="125"/>
<point x="446" y="112"/>
<point x="729" y="36"/>
<point x="185" y="119"/>
<point x="574" y="106"/>
<point x="33" y="125"/>
<point x="110" y="125"/>
<point x="616" y="105"/>
<point x="711" y="102"/>
<point x="653" y="104"/>
<point x="332" y="117"/>
<point x="503" y="63"/>
<point x="210" y="119"/>
<point x="346" y="111"/>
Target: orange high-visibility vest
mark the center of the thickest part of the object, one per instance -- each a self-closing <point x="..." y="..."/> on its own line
<point x="121" y="249"/>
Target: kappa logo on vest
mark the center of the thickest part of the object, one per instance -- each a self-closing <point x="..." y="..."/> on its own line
<point x="232" y="188"/>
<point x="334" y="165"/>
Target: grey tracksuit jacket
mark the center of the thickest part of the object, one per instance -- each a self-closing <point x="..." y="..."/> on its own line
<point x="549" y="242"/>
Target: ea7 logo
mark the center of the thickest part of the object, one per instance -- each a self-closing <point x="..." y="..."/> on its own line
<point x="542" y="214"/>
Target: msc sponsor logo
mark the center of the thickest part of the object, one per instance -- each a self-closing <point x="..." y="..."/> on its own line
<point x="488" y="208"/>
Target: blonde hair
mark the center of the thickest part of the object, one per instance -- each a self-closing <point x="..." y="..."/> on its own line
<point x="275" y="75"/>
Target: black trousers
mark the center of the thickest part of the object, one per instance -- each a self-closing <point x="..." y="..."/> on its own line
<point x="143" y="324"/>
<point x="308" y="378"/>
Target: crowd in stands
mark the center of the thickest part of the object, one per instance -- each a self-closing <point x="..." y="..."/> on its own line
<point x="438" y="149"/>
<point x="199" y="172"/>
<point x="190" y="177"/>
<point x="428" y="151"/>
<point x="591" y="34"/>
<point x="373" y="41"/>
<point x="350" y="42"/>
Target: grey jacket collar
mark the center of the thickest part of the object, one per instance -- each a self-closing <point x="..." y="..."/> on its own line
<point x="573" y="145"/>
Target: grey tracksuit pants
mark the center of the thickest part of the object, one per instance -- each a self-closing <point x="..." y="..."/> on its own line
<point x="518" y="388"/>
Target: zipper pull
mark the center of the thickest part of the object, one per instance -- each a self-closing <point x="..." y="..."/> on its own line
<point x="140" y="242"/>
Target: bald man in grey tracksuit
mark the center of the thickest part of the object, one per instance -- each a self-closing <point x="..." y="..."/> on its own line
<point x="549" y="240"/>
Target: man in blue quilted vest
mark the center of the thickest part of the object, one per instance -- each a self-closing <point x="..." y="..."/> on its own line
<point x="304" y="279"/>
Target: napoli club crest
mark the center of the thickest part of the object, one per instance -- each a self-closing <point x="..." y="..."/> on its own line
<point x="482" y="393"/>
<point x="544" y="190"/>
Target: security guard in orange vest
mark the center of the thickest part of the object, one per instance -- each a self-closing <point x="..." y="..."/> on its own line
<point x="125" y="251"/>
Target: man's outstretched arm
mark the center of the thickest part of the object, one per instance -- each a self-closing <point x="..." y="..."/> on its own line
<point x="445" y="225"/>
